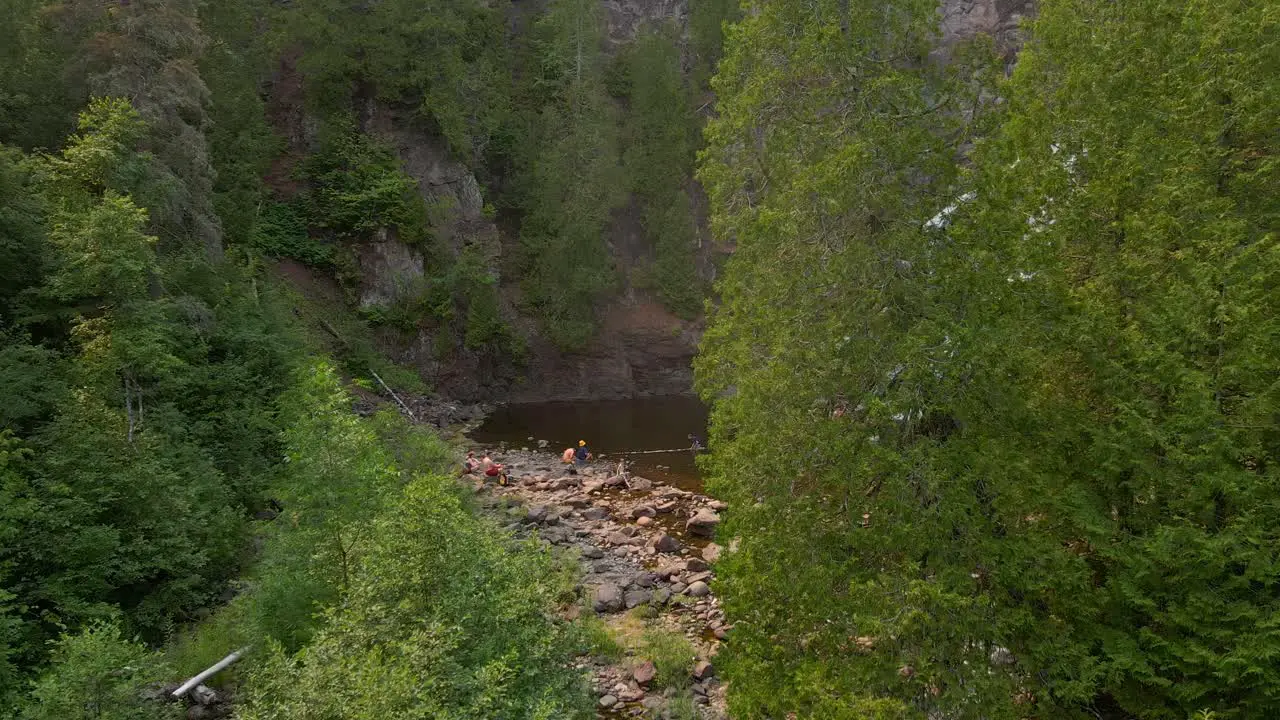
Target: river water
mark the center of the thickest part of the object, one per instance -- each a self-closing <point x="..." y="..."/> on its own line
<point x="612" y="428"/>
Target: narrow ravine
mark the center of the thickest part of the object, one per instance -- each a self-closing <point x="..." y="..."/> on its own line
<point x="647" y="565"/>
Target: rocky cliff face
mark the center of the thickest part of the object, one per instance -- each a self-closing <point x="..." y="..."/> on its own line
<point x="1001" y="19"/>
<point x="641" y="349"/>
<point x="626" y="17"/>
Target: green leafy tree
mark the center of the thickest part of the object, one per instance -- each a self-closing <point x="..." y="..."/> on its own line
<point x="241" y="143"/>
<point x="440" y="619"/>
<point x="338" y="477"/>
<point x="1137" y="354"/>
<point x="148" y="51"/>
<point x="21" y="231"/>
<point x="707" y="20"/>
<point x="97" y="674"/>
<point x="358" y="187"/>
<point x="141" y="411"/>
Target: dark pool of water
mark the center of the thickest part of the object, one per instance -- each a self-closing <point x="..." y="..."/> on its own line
<point x="612" y="428"/>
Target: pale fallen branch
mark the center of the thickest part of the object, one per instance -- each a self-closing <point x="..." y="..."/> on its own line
<point x="394" y="396"/>
<point x="214" y="670"/>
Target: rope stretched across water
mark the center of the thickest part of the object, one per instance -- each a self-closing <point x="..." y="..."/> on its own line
<point x="651" y="452"/>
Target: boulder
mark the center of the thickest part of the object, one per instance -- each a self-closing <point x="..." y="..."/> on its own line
<point x="666" y="507"/>
<point x="640" y="511"/>
<point x="644" y="672"/>
<point x="697" y="565"/>
<point x="204" y="695"/>
<point x="615" y="481"/>
<point x="608" y="598"/>
<point x="644" y="521"/>
<point x="608" y="701"/>
<point x="591" y="552"/>
<point x="703" y="523"/>
<point x="640" y="483"/>
<point x="665" y="543"/>
<point x="703" y="669"/>
<point x="661" y="596"/>
<point x="556" y="535"/>
<point x="536" y="513"/>
<point x="636" y="598"/>
<point x="595" y="513"/>
<point x="711" y="552"/>
<point x="565" y="483"/>
<point x="718" y="505"/>
<point x="698" y="589"/>
<point x="617" y="538"/>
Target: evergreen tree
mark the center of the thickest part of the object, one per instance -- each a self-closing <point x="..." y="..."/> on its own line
<point x="998" y="443"/>
<point x="659" y="159"/>
<point x="572" y="179"/>
<point x="147" y="51"/>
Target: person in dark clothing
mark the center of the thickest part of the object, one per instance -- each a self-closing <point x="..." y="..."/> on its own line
<point x="694" y="443"/>
<point x="582" y="454"/>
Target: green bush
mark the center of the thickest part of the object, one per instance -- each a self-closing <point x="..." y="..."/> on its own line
<point x="356" y="186"/>
<point x="198" y="647"/>
<point x="598" y="639"/>
<point x="97" y="674"/>
<point x="439" y="618"/>
<point x="281" y="231"/>
<point x="672" y="655"/>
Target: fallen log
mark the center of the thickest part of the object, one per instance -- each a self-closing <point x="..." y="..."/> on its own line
<point x="213" y="670"/>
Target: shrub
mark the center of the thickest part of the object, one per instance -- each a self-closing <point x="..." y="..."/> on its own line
<point x="97" y="674"/>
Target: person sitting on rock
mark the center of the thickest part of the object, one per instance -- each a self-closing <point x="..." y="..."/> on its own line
<point x="470" y="464"/>
<point x="582" y="455"/>
<point x="497" y="472"/>
<point x="567" y="456"/>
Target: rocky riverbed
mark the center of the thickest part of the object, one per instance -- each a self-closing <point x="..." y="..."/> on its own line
<point x="647" y="563"/>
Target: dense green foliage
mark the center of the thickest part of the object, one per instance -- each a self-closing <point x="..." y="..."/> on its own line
<point x="139" y="401"/>
<point x="446" y="58"/>
<point x="97" y="675"/>
<point x="574" y="180"/>
<point x="158" y="391"/>
<point x="357" y="188"/>
<point x="658" y="156"/>
<point x="381" y="594"/>
<point x="1000" y="443"/>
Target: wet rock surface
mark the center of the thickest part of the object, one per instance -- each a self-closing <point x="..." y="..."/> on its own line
<point x="643" y="550"/>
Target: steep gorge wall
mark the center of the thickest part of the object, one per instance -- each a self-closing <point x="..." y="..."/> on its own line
<point x="640" y="348"/>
